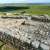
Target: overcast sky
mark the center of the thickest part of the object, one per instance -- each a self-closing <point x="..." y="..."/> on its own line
<point x="24" y="1"/>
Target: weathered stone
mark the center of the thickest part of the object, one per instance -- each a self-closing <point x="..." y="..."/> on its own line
<point x="26" y="33"/>
<point x="36" y="44"/>
<point x="45" y="47"/>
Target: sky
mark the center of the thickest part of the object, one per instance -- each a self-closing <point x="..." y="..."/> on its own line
<point x="24" y="1"/>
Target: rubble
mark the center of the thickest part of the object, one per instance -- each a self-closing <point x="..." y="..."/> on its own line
<point x="25" y="32"/>
<point x="36" y="43"/>
<point x="45" y="47"/>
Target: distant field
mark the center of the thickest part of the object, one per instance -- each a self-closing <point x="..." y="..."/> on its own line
<point x="39" y="9"/>
<point x="32" y="9"/>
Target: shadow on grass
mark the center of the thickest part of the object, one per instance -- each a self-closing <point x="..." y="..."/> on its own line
<point x="12" y="8"/>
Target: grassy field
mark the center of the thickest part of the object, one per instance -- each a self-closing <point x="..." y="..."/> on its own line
<point x="39" y="9"/>
<point x="32" y="9"/>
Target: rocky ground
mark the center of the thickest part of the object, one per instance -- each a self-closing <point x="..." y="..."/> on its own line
<point x="25" y="32"/>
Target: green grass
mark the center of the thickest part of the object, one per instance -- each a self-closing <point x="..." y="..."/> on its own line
<point x="39" y="9"/>
<point x="32" y="9"/>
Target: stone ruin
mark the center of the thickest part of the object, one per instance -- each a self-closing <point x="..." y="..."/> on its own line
<point x="27" y="32"/>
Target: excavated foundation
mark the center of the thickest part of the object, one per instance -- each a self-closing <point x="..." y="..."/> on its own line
<point x="26" y="32"/>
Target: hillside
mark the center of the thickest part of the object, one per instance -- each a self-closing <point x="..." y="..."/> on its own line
<point x="28" y="8"/>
